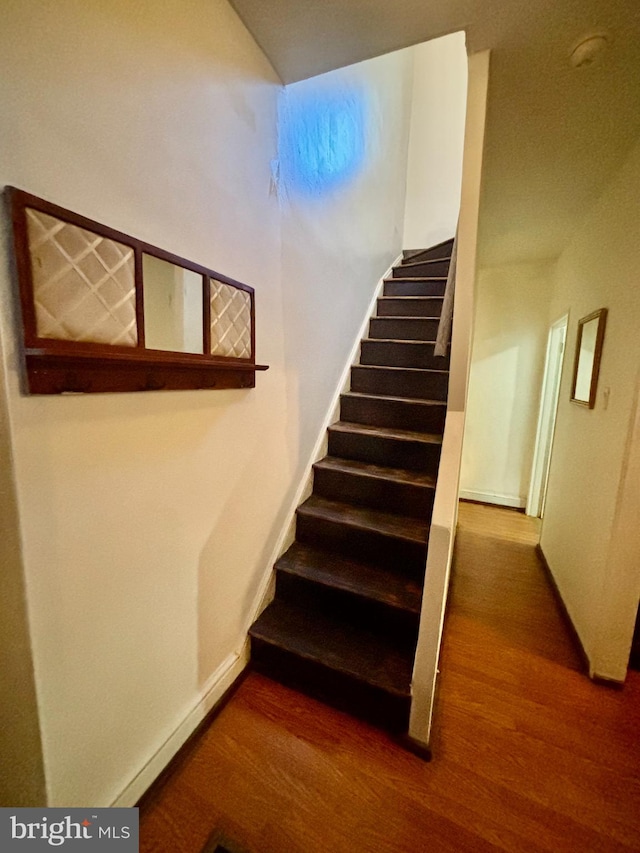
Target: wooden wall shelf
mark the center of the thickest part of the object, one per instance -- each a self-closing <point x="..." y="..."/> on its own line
<point x="101" y="310"/>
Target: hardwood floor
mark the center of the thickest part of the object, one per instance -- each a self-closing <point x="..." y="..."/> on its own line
<point x="529" y="755"/>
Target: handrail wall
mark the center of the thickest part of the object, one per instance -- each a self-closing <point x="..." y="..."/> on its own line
<point x="445" y="510"/>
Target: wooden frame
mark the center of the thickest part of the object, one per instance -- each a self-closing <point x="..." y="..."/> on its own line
<point x="586" y="365"/>
<point x="57" y="366"/>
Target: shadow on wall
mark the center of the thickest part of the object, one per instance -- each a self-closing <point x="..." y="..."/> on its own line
<point x="231" y="563"/>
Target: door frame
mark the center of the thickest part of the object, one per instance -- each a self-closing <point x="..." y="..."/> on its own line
<point x="549" y="396"/>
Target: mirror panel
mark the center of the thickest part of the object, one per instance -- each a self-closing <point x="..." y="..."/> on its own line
<point x="173" y="309"/>
<point x="587" y="360"/>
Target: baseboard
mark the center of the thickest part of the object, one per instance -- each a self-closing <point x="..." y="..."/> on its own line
<point x="305" y="485"/>
<point x="214" y="693"/>
<point x="588" y="669"/>
<point x="584" y="658"/>
<point x="513" y="501"/>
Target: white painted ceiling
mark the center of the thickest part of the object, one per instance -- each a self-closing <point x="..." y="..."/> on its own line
<point x="554" y="134"/>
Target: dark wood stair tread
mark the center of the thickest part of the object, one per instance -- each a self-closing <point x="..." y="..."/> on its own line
<point x="387" y="432"/>
<point x="365" y="469"/>
<point x="415" y="262"/>
<point x="397" y="526"/>
<point x="411" y="317"/>
<point x="396" y="341"/>
<point x="444" y="247"/>
<point x="315" y="636"/>
<point x="415" y="278"/>
<point x="417" y="401"/>
<point x="430" y="299"/>
<point x="415" y="371"/>
<point x="415" y="259"/>
<point x="354" y="576"/>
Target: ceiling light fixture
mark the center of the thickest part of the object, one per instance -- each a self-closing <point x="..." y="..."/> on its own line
<point x="588" y="51"/>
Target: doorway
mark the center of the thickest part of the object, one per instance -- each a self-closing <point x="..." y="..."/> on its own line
<point x="547" y="417"/>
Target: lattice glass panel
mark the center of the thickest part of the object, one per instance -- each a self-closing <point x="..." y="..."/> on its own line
<point x="83" y="284"/>
<point x="230" y="321"/>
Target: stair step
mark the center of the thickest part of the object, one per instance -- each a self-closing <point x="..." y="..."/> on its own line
<point x="400" y="381"/>
<point x="372" y="597"/>
<point x="406" y="529"/>
<point x="365" y="657"/>
<point x="409" y="306"/>
<point x="393" y="353"/>
<point x="405" y="286"/>
<point x="441" y="250"/>
<point x="362" y="533"/>
<point x="351" y="669"/>
<point x="431" y="268"/>
<point x="384" y="445"/>
<point x="404" y="328"/>
<point x="421" y="256"/>
<point x="358" y="578"/>
<point x="399" y="412"/>
<point x="395" y="490"/>
<point x="412" y="255"/>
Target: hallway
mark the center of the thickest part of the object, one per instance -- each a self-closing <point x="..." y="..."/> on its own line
<point x="529" y="755"/>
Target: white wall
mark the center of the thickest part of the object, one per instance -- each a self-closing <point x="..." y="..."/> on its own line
<point x="148" y="522"/>
<point x="21" y="763"/>
<point x="593" y="555"/>
<point x="510" y="335"/>
<point x="434" y="173"/>
<point x="158" y="120"/>
<point x="338" y="236"/>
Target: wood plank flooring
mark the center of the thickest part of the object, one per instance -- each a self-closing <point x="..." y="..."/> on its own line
<point x="529" y="755"/>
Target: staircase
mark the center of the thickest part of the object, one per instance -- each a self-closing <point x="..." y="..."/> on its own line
<point x="344" y="622"/>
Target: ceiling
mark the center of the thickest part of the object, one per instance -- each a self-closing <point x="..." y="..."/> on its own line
<point x="554" y="134"/>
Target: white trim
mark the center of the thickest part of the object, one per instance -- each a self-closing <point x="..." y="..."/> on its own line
<point x="287" y="535"/>
<point x="547" y="413"/>
<point x="215" y="688"/>
<point x="436" y="580"/>
<point x="515" y="501"/>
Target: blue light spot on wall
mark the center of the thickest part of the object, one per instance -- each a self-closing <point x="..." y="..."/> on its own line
<point x="322" y="140"/>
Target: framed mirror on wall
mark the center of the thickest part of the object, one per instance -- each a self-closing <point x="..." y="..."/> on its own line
<point x="587" y="360"/>
<point x="103" y="311"/>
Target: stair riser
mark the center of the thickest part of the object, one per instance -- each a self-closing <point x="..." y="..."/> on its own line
<point x="413" y="455"/>
<point x="412" y="329"/>
<point x="429" y="269"/>
<point x="390" y="307"/>
<point x="401" y="287"/>
<point x="393" y="413"/>
<point x="441" y="251"/>
<point x="403" y="556"/>
<point x="334" y="688"/>
<point x="397" y="354"/>
<point x="399" y="383"/>
<point x="406" y="498"/>
<point x="399" y="625"/>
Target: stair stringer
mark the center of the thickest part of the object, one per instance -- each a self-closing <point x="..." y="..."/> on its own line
<point x="266" y="589"/>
